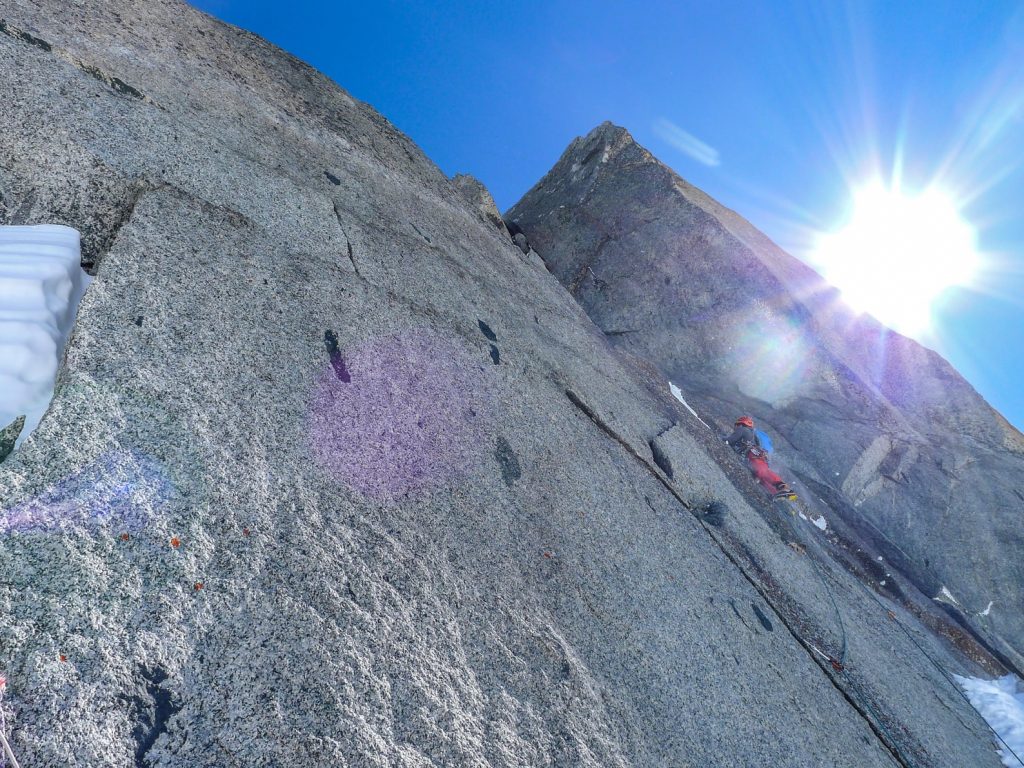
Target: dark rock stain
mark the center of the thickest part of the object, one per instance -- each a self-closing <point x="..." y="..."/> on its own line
<point x="332" y="178"/>
<point x="495" y="355"/>
<point x="485" y="329"/>
<point x="337" y="362"/>
<point x="765" y="621"/>
<point x="151" y="714"/>
<point x="138" y="321"/>
<point x="25" y="37"/>
<point x="508" y="461"/>
<point x="715" y="513"/>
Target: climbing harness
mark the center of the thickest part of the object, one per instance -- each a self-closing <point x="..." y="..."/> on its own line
<point x="8" y="753"/>
<point x="757" y="452"/>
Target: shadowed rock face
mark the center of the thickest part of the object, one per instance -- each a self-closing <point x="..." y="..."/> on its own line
<point x="882" y="423"/>
<point x="336" y="475"/>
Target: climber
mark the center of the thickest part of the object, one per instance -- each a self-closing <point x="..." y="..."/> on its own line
<point x="745" y="442"/>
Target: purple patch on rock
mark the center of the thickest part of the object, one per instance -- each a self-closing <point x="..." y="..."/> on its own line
<point x="413" y="417"/>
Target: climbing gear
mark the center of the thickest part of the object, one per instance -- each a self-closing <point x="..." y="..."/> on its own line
<point x="756" y="452"/>
<point x="745" y="421"/>
<point x="763" y="441"/>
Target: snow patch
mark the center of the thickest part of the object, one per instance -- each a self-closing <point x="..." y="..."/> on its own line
<point x="988" y="608"/>
<point x="41" y="283"/>
<point x="1001" y="703"/>
<point x="945" y="596"/>
<point x="677" y="393"/>
<point x="821" y="523"/>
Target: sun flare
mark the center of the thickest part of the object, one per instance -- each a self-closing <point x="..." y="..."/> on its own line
<point x="897" y="253"/>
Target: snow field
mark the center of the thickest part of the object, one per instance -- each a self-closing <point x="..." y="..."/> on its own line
<point x="1001" y="703"/>
<point x="41" y="283"/>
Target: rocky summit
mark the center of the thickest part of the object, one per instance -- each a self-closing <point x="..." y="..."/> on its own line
<point x="337" y="474"/>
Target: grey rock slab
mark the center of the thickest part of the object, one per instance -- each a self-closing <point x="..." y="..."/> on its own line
<point x="910" y="449"/>
<point x="286" y="508"/>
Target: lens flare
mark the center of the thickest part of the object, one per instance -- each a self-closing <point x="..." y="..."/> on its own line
<point x="408" y="414"/>
<point x="122" y="487"/>
<point x="897" y="254"/>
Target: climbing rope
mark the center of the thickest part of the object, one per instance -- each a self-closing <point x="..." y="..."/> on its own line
<point x="939" y="668"/>
<point x="8" y="753"/>
<point x="838" y="664"/>
<point x="852" y="692"/>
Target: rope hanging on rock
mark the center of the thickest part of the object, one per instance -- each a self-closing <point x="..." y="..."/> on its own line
<point x="8" y="753"/>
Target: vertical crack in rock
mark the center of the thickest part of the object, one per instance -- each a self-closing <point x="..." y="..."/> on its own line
<point x="577" y="282"/>
<point x="337" y="361"/>
<point x="152" y="714"/>
<point x="348" y="243"/>
<point x="421" y="233"/>
<point x="661" y="458"/>
<point x="96" y="241"/>
<point x="739" y="615"/>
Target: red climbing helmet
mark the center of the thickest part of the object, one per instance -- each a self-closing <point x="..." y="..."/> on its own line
<point x="745" y="421"/>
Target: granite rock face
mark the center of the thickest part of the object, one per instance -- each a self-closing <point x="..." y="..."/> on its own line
<point x="477" y="195"/>
<point x="333" y="475"/>
<point x="883" y="428"/>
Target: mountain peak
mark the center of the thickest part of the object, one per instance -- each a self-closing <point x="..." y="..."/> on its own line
<point x="678" y="279"/>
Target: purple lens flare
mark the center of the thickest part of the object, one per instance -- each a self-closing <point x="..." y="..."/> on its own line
<point x="412" y="415"/>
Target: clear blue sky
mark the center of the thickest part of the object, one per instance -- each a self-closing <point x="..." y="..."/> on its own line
<point x="789" y="103"/>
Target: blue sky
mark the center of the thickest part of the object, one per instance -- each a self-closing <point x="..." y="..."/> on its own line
<point x="775" y="109"/>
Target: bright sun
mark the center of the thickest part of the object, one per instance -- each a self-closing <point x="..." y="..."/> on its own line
<point x="897" y="253"/>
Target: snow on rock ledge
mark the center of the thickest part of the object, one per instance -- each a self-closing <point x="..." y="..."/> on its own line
<point x="41" y="283"/>
<point x="1001" y="703"/>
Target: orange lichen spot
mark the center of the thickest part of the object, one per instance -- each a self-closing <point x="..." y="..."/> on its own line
<point x="125" y="537"/>
<point x="63" y="657"/>
<point x="175" y="542"/>
<point x="549" y="555"/>
<point x="246" y="531"/>
<point x="198" y="585"/>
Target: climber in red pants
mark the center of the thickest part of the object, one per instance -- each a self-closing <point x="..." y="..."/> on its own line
<point x="744" y="441"/>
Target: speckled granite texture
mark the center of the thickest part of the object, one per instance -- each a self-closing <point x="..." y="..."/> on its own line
<point x="313" y="490"/>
